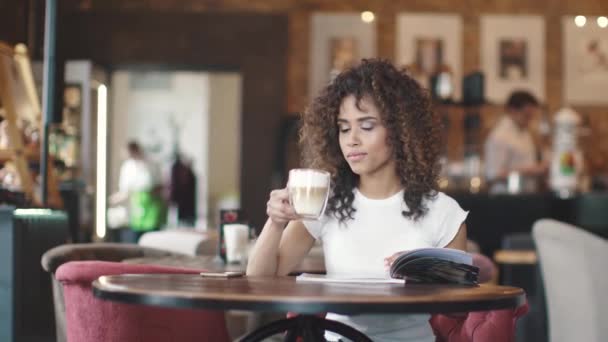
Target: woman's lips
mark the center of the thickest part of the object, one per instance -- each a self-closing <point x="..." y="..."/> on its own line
<point x="356" y="156"/>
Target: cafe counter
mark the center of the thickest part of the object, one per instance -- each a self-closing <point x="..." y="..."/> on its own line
<point x="492" y="217"/>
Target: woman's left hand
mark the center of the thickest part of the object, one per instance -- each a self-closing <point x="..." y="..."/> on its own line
<point x="388" y="261"/>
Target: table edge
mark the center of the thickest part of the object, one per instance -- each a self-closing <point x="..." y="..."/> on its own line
<point x="306" y="307"/>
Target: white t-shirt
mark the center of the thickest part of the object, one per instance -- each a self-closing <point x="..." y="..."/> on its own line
<point x="136" y="175"/>
<point x="378" y="230"/>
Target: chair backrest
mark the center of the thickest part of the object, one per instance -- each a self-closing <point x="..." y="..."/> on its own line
<point x="94" y="320"/>
<point x="478" y="326"/>
<point x="573" y="264"/>
<point x="57" y="256"/>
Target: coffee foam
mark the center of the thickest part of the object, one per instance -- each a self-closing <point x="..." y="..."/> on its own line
<point x="299" y="178"/>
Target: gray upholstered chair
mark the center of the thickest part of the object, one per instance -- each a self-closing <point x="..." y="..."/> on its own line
<point x="573" y="265"/>
<point x="57" y="256"/>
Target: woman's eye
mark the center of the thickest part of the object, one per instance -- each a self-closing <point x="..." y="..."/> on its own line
<point x="343" y="129"/>
<point x="367" y="126"/>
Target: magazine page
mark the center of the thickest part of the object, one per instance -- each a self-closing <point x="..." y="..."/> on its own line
<point x="449" y="254"/>
<point x="435" y="266"/>
<point x="322" y="278"/>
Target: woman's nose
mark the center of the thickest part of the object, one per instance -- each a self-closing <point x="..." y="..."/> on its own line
<point x="353" y="138"/>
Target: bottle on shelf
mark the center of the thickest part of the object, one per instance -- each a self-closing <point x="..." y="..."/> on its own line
<point x="567" y="160"/>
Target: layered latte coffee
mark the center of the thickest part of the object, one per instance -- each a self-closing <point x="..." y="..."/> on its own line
<point x="308" y="191"/>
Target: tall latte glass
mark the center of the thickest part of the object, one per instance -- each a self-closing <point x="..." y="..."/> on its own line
<point x="308" y="192"/>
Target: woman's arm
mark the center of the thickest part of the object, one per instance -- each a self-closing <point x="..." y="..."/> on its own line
<point x="280" y="246"/>
<point x="277" y="250"/>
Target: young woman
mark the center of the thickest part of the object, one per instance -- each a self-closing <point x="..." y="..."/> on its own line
<point x="373" y="129"/>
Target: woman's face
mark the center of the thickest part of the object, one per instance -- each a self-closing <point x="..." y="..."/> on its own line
<point x="363" y="137"/>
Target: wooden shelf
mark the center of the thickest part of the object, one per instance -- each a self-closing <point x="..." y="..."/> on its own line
<point x="18" y="96"/>
<point x="30" y="154"/>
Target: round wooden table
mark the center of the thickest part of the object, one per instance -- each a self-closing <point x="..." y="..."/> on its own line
<point x="285" y="294"/>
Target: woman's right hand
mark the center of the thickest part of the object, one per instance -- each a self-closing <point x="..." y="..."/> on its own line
<point x="278" y="208"/>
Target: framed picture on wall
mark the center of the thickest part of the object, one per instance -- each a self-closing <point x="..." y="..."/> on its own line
<point x="338" y="41"/>
<point x="428" y="44"/>
<point x="585" y="51"/>
<point x="512" y="55"/>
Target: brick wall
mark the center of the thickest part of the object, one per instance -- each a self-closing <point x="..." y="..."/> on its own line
<point x="299" y="13"/>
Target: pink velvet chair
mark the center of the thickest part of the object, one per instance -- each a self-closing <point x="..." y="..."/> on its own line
<point x="481" y="326"/>
<point x="94" y="320"/>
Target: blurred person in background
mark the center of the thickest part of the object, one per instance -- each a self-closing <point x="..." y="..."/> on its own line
<point x="182" y="190"/>
<point x="510" y="149"/>
<point x="139" y="185"/>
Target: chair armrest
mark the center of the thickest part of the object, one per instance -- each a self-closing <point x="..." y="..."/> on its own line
<point x="88" y="271"/>
<point x="55" y="257"/>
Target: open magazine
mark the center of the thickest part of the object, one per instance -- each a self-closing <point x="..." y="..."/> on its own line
<point x="419" y="266"/>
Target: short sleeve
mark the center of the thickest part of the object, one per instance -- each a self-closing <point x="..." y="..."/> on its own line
<point x="450" y="217"/>
<point x="316" y="228"/>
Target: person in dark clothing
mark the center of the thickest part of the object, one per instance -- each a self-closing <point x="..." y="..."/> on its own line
<point x="182" y="192"/>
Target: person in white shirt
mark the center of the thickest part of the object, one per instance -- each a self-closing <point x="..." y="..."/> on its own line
<point x="510" y="149"/>
<point x="139" y="185"/>
<point x="372" y="128"/>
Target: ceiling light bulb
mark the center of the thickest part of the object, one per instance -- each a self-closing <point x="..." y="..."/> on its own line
<point x="580" y="20"/>
<point x="367" y="16"/>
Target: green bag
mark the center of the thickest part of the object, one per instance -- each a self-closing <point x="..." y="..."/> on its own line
<point x="147" y="211"/>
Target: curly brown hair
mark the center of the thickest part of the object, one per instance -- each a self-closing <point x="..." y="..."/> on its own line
<point x="405" y="110"/>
